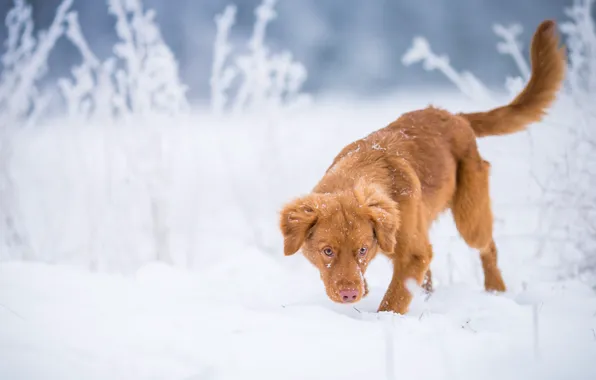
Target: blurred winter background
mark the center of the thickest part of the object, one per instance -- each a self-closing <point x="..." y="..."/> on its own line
<point x="136" y="133"/>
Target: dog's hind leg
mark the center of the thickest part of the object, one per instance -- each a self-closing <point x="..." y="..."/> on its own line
<point x="473" y="216"/>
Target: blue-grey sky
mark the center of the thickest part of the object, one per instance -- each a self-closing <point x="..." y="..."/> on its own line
<point x="348" y="46"/>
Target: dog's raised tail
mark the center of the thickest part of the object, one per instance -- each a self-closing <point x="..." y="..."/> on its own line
<point x="548" y="70"/>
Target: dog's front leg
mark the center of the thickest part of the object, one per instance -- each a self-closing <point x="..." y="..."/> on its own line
<point x="412" y="266"/>
<point x="396" y="297"/>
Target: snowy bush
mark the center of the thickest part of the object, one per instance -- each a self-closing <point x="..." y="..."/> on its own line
<point x="21" y="103"/>
<point x="141" y="79"/>
<point x="264" y="81"/>
<point x="24" y="63"/>
<point x="567" y="191"/>
<point x="575" y="197"/>
<point x="140" y="82"/>
<point x="119" y="118"/>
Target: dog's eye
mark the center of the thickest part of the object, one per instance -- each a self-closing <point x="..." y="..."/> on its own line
<point x="363" y="251"/>
<point x="328" y="251"/>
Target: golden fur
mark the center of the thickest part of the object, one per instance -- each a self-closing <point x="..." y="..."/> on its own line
<point x="382" y="193"/>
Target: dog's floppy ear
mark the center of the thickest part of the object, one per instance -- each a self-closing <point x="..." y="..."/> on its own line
<point x="296" y="219"/>
<point x="383" y="213"/>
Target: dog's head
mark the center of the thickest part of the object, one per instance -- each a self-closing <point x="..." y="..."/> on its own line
<point x="340" y="233"/>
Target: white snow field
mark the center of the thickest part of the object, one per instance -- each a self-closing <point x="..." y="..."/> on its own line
<point x="96" y="304"/>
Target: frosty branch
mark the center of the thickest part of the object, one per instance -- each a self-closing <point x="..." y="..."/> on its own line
<point x="23" y="64"/>
<point x="512" y="47"/>
<point x="466" y="82"/>
<point x="140" y="79"/>
<point x="263" y="81"/>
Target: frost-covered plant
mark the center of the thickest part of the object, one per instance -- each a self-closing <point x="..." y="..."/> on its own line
<point x="222" y="76"/>
<point x="512" y="47"/>
<point x="149" y="82"/>
<point x="264" y="81"/>
<point x="465" y="81"/>
<point x="573" y="199"/>
<point x="90" y="93"/>
<point x="581" y="42"/>
<point x="21" y="103"/>
<point x="142" y="78"/>
<point x="24" y="63"/>
<point x="578" y="165"/>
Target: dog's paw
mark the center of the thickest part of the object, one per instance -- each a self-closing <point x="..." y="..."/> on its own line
<point x="494" y="284"/>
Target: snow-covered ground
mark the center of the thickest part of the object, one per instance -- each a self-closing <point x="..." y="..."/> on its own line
<point x="252" y="318"/>
<point x="205" y="192"/>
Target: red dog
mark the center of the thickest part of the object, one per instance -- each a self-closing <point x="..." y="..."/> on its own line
<point x="383" y="192"/>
